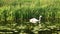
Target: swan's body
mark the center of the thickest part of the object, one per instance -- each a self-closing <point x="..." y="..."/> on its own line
<point x="34" y="20"/>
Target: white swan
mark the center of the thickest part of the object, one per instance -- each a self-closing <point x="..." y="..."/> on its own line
<point x="34" y="20"/>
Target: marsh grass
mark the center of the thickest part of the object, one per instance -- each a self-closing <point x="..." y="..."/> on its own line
<point x="19" y="12"/>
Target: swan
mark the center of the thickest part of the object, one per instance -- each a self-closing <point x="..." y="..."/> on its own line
<point x="34" y="20"/>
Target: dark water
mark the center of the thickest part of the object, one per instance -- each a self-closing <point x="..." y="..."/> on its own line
<point x="29" y="32"/>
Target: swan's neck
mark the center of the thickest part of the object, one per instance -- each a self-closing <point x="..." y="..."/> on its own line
<point x="39" y="19"/>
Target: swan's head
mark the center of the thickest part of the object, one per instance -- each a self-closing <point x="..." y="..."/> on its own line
<point x="40" y="16"/>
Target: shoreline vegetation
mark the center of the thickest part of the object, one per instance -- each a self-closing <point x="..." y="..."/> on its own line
<point x="15" y="15"/>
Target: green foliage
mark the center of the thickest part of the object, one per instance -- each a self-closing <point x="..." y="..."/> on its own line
<point x="15" y="14"/>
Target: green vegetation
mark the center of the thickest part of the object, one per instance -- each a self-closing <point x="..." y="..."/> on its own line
<point x="15" y="14"/>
